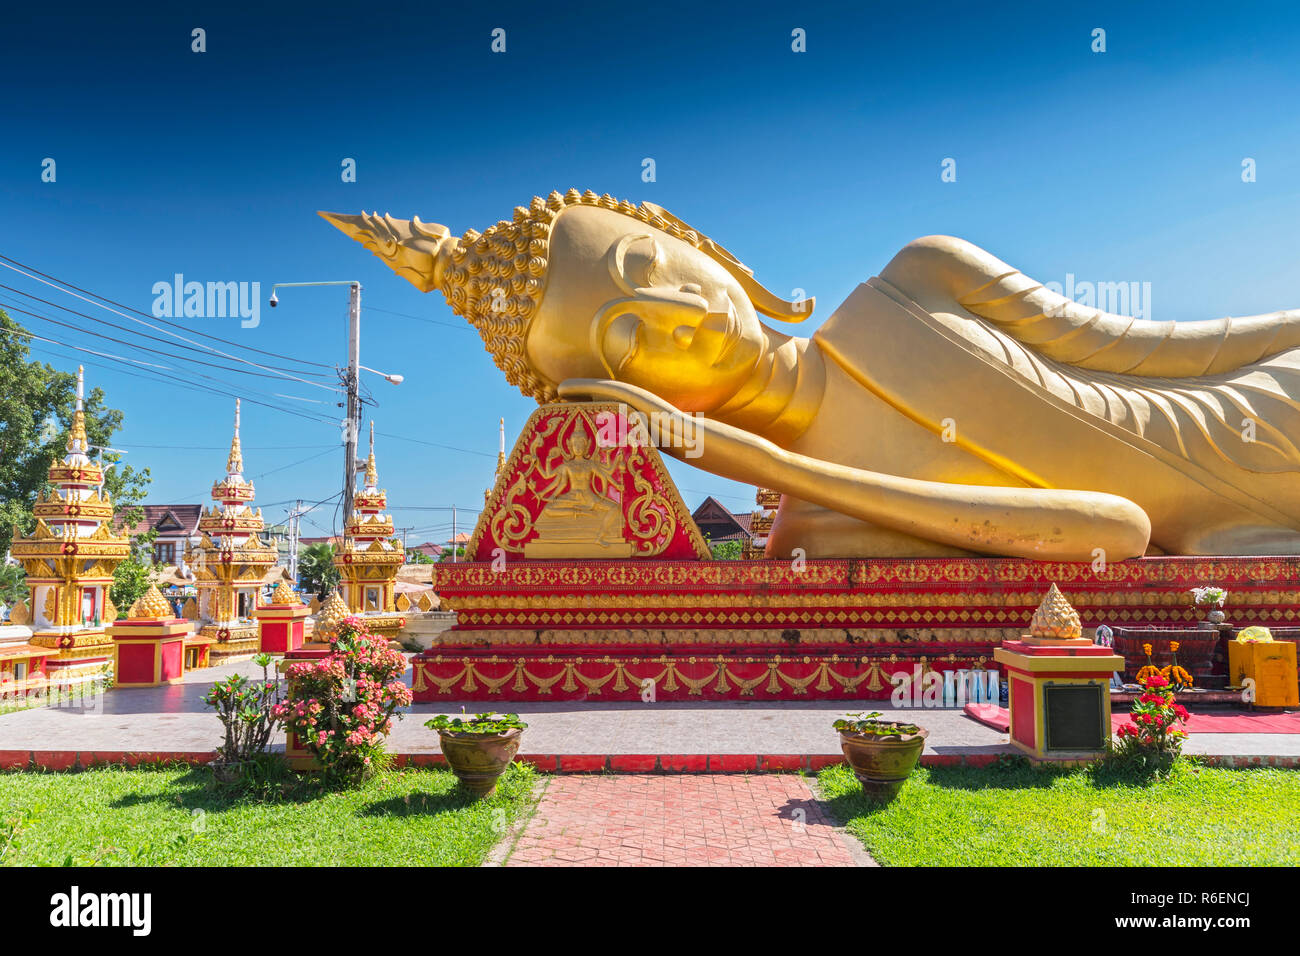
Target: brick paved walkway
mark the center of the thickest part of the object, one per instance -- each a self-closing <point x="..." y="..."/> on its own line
<point x="681" y="820"/>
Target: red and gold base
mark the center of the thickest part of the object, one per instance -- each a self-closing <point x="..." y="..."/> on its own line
<point x="1059" y="698"/>
<point x="80" y="654"/>
<point x="149" y="653"/>
<point x="768" y="629"/>
<point x="281" y="627"/>
<point x="703" y="673"/>
<point x="232" y="642"/>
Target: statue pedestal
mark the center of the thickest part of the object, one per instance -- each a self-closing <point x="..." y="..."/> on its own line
<point x="281" y="627"/>
<point x="1059" y="697"/>
<point x="767" y="630"/>
<point x="148" y="653"/>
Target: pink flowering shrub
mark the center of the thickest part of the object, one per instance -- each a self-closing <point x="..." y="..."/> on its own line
<point x="1152" y="740"/>
<point x="342" y="706"/>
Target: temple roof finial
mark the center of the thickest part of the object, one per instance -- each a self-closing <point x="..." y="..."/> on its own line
<point x="78" y="444"/>
<point x="235" y="463"/>
<point x="372" y="472"/>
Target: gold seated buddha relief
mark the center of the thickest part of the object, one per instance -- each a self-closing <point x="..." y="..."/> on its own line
<point x="951" y="405"/>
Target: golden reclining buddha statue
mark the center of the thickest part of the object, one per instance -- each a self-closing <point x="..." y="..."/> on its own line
<point x="950" y="406"/>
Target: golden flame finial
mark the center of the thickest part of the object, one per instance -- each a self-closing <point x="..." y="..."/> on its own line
<point x="372" y="472"/>
<point x="235" y="463"/>
<point x="78" y="443"/>
<point x="1055" y="619"/>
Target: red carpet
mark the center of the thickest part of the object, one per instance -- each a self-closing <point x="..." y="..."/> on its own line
<point x="999" y="720"/>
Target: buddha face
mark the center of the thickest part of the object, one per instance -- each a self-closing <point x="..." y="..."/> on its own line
<point x="629" y="302"/>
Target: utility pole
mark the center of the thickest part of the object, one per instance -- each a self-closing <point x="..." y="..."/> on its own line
<point x="353" y="426"/>
<point x="351" y="383"/>
<point x="295" y="517"/>
<point x="454" y="558"/>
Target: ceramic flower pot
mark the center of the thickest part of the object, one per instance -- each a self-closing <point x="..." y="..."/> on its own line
<point x="882" y="763"/>
<point x="478" y="760"/>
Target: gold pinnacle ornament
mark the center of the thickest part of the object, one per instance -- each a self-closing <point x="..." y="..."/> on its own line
<point x="1055" y="621"/>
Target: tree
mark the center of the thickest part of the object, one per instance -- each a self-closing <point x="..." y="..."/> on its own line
<point x="731" y="550"/>
<point x="132" y="577"/>
<point x="13" y="584"/>
<point x="316" y="570"/>
<point x="36" y="405"/>
<point x="414" y="556"/>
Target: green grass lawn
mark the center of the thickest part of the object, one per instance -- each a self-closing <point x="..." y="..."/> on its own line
<point x="175" y="817"/>
<point x="1020" y="816"/>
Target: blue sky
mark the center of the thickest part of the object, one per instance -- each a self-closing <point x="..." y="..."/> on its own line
<point x="813" y="168"/>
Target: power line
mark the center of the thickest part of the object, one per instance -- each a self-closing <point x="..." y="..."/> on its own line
<point x="145" y="335"/>
<point x="145" y="348"/>
<point x="206" y="335"/>
<point x="183" y="383"/>
<point x="182" y="338"/>
<point x="406" y="315"/>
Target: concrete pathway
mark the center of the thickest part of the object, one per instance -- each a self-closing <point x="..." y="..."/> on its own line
<point x="678" y="735"/>
<point x="686" y="820"/>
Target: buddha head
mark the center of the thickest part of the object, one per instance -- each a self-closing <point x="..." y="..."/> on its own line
<point x="585" y="286"/>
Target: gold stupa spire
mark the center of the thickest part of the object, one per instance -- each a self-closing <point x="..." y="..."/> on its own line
<point x="501" y="447"/>
<point x="283" y="594"/>
<point x="151" y="606"/>
<point x="235" y="463"/>
<point x="78" y="444"/>
<point x="1055" y="619"/>
<point x="331" y="615"/>
<point x="372" y="472"/>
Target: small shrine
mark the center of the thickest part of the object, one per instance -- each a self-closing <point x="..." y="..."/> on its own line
<point x="149" y="646"/>
<point x="1058" y="685"/>
<point x="282" y="623"/>
<point x="230" y="562"/>
<point x="371" y="556"/>
<point x="70" y="558"/>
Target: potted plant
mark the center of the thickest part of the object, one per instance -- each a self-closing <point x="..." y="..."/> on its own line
<point x="1211" y="599"/>
<point x="479" y="748"/>
<point x="880" y="752"/>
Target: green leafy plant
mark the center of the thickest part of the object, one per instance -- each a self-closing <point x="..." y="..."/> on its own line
<point x="247" y="710"/>
<point x="480" y="725"/>
<point x="341" y="707"/>
<point x="871" y="725"/>
<point x="1151" y="742"/>
<point x="316" y="569"/>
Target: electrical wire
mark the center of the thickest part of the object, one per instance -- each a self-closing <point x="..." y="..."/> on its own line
<point x="206" y="335"/>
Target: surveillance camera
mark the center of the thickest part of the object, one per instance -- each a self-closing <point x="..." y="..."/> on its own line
<point x="274" y="300"/>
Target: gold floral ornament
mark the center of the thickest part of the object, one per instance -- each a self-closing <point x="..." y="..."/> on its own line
<point x="151" y="606"/>
<point x="1055" y="619"/>
<point x="283" y="594"/>
<point x="331" y="615"/>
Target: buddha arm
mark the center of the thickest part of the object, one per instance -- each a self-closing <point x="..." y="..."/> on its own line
<point x="1042" y="523"/>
